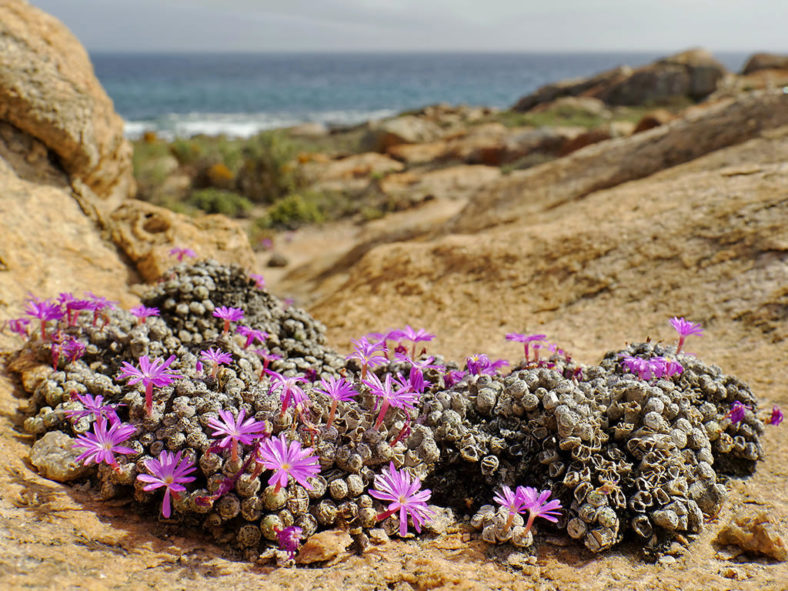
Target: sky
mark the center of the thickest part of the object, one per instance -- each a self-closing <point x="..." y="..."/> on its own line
<point x="424" y="25"/>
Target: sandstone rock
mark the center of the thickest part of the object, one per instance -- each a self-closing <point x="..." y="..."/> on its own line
<point x="452" y="182"/>
<point x="419" y="153"/>
<point x="765" y="61"/>
<point x="653" y="119"/>
<point x="592" y="136"/>
<point x="611" y="163"/>
<point x="48" y="244"/>
<point x="55" y="457"/>
<point x="693" y="74"/>
<point x="147" y="233"/>
<point x="406" y="129"/>
<point x="309" y="130"/>
<point x="354" y="167"/>
<point x="755" y="532"/>
<point x="43" y="65"/>
<point x="573" y="87"/>
<point x="323" y="546"/>
<point x="574" y="105"/>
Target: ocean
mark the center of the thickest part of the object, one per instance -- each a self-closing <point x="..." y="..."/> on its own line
<point x="242" y="94"/>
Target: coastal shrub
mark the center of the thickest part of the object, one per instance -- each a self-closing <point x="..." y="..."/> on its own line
<point x="218" y="201"/>
<point x="269" y="170"/>
<point x="293" y="211"/>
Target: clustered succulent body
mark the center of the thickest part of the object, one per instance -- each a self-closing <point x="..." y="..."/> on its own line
<point x="265" y="446"/>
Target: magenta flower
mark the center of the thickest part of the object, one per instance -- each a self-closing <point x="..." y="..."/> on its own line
<point x="267" y="357"/>
<point x="453" y="377"/>
<point x="180" y="253"/>
<point x="402" y="490"/>
<point x="98" y="304"/>
<point x="259" y="280"/>
<point x="236" y="431"/>
<point x="289" y="538"/>
<point x="251" y="335"/>
<point x="102" y="444"/>
<point x="513" y="502"/>
<point x="538" y="506"/>
<point x="289" y="390"/>
<point x="415" y="381"/>
<point x="228" y="315"/>
<point x="402" y="398"/>
<point x="337" y="389"/>
<point x="71" y="304"/>
<point x="645" y="369"/>
<point x="44" y="310"/>
<point x="526" y="340"/>
<point x="777" y="416"/>
<point x="150" y="373"/>
<point x="369" y="355"/>
<point x="409" y="334"/>
<point x="216" y="357"/>
<point x="482" y="365"/>
<point x="737" y="412"/>
<point x="287" y="459"/>
<point x="19" y="326"/>
<point x="92" y="406"/>
<point x="73" y="349"/>
<point x="169" y="471"/>
<point x="143" y="312"/>
<point x="685" y="329"/>
<point x="266" y="244"/>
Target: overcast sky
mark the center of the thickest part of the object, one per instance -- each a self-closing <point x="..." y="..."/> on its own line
<point x="419" y="25"/>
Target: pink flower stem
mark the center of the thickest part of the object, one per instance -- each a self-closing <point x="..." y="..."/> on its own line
<point x="681" y="344"/>
<point x="331" y="414"/>
<point x="531" y="517"/>
<point x="43" y="330"/>
<point x="383" y="409"/>
<point x="226" y="326"/>
<point x="509" y="522"/>
<point x="386" y="514"/>
<point x="149" y="398"/>
<point x="234" y="452"/>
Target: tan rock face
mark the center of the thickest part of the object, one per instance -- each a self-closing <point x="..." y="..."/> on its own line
<point x="44" y="65"/>
<point x="147" y="233"/>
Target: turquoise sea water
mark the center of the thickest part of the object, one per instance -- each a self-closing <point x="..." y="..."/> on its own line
<point x="240" y="94"/>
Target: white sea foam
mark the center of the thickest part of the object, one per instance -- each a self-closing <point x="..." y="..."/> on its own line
<point x="243" y="125"/>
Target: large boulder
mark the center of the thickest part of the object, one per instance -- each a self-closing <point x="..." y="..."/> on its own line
<point x="48" y="90"/>
<point x="692" y="74"/>
<point x="765" y="61"/>
<point x="406" y="129"/>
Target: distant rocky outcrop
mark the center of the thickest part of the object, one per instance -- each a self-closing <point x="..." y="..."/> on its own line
<point x="693" y="74"/>
<point x="61" y="149"/>
<point x="765" y="61"/>
<point x="610" y="163"/>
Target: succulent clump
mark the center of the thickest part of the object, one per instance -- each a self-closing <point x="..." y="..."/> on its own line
<point x="274" y="443"/>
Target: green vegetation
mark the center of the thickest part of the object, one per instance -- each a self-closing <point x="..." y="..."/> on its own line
<point x="219" y="201"/>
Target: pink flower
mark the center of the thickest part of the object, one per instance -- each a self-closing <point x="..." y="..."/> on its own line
<point x="251" y="335"/>
<point x="44" y="310"/>
<point x="179" y="253"/>
<point x="102" y="444"/>
<point x="538" y="505"/>
<point x="737" y="412"/>
<point x="338" y="389"/>
<point x="98" y="304"/>
<point x="402" y="490"/>
<point x="228" y="315"/>
<point x="777" y="416"/>
<point x="72" y="305"/>
<point x="369" y="355"/>
<point x="402" y="398"/>
<point x="267" y="357"/>
<point x="453" y="377"/>
<point x="525" y="339"/>
<point x="92" y="406"/>
<point x="685" y="329"/>
<point x="289" y="390"/>
<point x="259" y="280"/>
<point x="409" y="334"/>
<point x="287" y="459"/>
<point x="513" y="502"/>
<point x="481" y="365"/>
<point x="289" y="538"/>
<point x="216" y="357"/>
<point x="73" y="349"/>
<point x="236" y="431"/>
<point x="19" y="326"/>
<point x="170" y="472"/>
<point x="143" y="312"/>
<point x="150" y="373"/>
